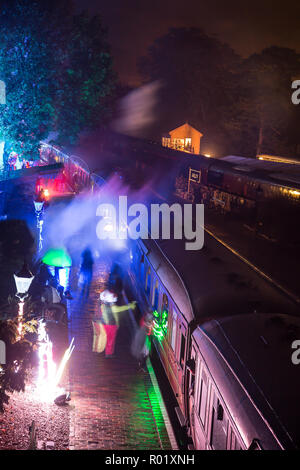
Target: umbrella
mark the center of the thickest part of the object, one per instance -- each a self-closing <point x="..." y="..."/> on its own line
<point x="57" y="257"/>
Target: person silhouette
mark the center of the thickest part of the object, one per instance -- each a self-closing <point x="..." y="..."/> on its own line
<point x="86" y="272"/>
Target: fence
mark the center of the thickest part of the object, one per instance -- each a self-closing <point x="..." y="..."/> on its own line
<point x="76" y="170"/>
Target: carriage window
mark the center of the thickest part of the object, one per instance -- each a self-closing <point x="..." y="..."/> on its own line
<point x="155" y="296"/>
<point x="182" y="349"/>
<point x="174" y="330"/>
<point x="165" y="313"/>
<point x="234" y="443"/>
<point x="219" y="426"/>
<point x="255" y="445"/>
<point x="215" y="177"/>
<point x="165" y="304"/>
<point x="148" y="282"/>
<point x="161" y="319"/>
<point x="141" y="266"/>
<point x="136" y="259"/>
<point x="203" y="397"/>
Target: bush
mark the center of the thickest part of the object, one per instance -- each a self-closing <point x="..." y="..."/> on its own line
<point x="19" y="354"/>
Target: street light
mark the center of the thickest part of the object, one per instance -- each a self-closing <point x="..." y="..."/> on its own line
<point x="38" y="206"/>
<point x="23" y="280"/>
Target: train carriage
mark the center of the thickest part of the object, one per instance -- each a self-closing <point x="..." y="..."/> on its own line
<point x="244" y="178"/>
<point x="245" y="390"/>
<point x="189" y="289"/>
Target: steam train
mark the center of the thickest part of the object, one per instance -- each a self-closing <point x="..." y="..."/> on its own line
<point x="223" y="335"/>
<point x="263" y="195"/>
<point x="250" y="180"/>
<point x="240" y="185"/>
<point x="252" y="190"/>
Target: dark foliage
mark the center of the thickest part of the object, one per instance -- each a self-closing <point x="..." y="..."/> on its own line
<point x="57" y="69"/>
<point x="19" y="356"/>
<point x="242" y="106"/>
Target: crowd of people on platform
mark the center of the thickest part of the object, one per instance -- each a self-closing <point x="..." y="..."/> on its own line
<point x="48" y="296"/>
<point x="18" y="163"/>
<point x="107" y="319"/>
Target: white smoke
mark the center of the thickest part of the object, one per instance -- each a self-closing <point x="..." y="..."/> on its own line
<point x="137" y="110"/>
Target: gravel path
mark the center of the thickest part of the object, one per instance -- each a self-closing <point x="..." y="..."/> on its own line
<point x="52" y="421"/>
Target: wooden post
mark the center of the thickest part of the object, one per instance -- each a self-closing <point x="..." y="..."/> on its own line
<point x="32" y="435"/>
<point x="189" y="179"/>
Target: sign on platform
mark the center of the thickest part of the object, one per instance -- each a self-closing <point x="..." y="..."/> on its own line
<point x="195" y="176"/>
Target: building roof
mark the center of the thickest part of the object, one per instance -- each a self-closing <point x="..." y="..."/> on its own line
<point x="185" y="130"/>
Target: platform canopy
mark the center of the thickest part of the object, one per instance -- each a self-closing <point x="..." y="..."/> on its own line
<point x="58" y="257"/>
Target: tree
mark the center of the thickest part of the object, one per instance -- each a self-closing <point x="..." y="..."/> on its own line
<point x="25" y="67"/>
<point x="86" y="80"/>
<point x="263" y="107"/>
<point x="241" y="106"/>
<point x="57" y="71"/>
<point x="19" y="358"/>
<point x="198" y="76"/>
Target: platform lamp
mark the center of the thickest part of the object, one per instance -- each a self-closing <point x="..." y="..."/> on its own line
<point x="38" y="206"/>
<point x="23" y="280"/>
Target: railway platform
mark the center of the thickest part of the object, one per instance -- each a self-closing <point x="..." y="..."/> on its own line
<point x="114" y="405"/>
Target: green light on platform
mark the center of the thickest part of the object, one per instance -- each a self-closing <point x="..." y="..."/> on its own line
<point x="160" y="324"/>
<point x="57" y="257"/>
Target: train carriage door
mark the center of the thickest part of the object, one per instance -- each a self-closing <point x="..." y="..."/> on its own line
<point x="180" y="359"/>
<point x="148" y="283"/>
<point x="199" y="404"/>
<point x="155" y="297"/>
<point x="219" y="424"/>
<point x="172" y="361"/>
<point x="141" y="268"/>
<point x="161" y="322"/>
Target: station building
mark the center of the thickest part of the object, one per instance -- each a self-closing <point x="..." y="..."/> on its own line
<point x="185" y="138"/>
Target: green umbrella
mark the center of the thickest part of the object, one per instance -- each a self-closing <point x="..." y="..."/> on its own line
<point x="57" y="257"/>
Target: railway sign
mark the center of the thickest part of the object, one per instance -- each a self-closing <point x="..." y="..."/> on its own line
<point x="194" y="176"/>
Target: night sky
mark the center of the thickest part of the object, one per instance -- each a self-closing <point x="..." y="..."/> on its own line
<point x="248" y="26"/>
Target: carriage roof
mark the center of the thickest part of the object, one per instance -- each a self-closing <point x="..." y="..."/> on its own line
<point x="257" y="350"/>
<point x="273" y="173"/>
<point x="213" y="282"/>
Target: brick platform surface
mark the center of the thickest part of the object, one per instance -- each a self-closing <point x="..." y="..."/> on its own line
<point x="114" y="404"/>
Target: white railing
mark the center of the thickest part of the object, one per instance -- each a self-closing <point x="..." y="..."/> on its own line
<point x="76" y="170"/>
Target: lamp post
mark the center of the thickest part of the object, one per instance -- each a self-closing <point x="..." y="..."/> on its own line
<point x="23" y="280"/>
<point x="38" y="206"/>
